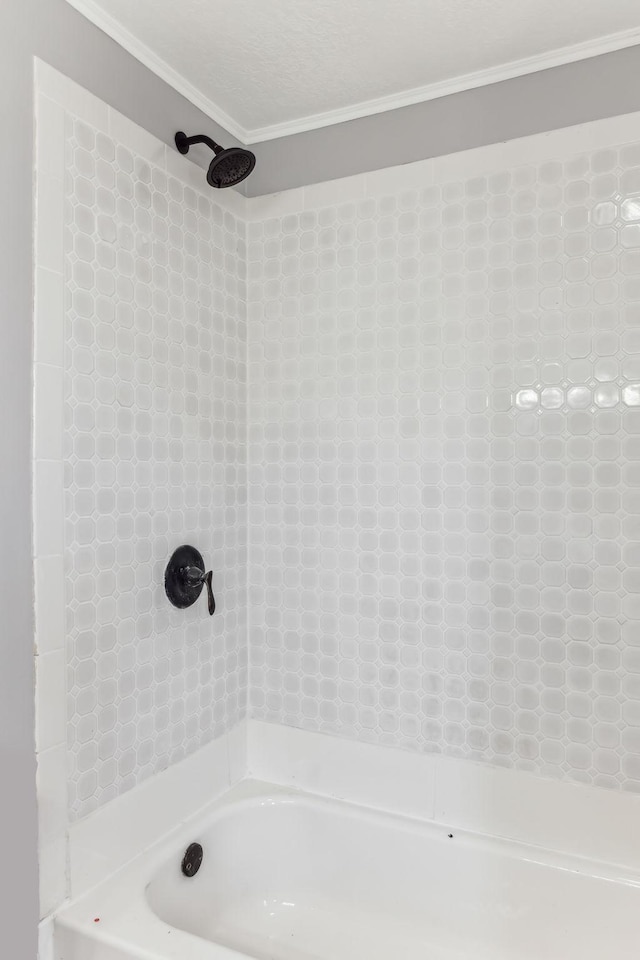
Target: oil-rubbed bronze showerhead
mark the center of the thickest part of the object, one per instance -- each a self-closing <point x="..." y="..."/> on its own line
<point x="228" y="167"/>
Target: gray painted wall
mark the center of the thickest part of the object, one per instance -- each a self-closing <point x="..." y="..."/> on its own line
<point x="589" y="90"/>
<point x="53" y="31"/>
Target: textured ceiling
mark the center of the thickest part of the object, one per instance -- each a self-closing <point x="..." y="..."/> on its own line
<point x="269" y="67"/>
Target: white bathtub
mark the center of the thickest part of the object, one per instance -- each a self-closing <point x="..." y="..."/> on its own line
<point x="291" y="876"/>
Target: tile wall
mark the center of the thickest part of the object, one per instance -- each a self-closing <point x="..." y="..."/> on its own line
<point x="139" y="445"/>
<point x="445" y="465"/>
<point x="154" y="450"/>
<point x="443" y="538"/>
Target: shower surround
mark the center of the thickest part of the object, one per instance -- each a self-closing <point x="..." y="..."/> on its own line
<point x="444" y="443"/>
<point x="424" y="382"/>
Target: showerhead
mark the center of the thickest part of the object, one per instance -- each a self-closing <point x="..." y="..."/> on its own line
<point x="228" y="167"/>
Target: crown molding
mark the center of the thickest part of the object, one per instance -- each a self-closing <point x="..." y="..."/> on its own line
<point x="133" y="45"/>
<point x="443" y="88"/>
<point x="432" y="91"/>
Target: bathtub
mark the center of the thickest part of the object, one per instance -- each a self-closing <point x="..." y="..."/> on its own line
<point x="293" y="876"/>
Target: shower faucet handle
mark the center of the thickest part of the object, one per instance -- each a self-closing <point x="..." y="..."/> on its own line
<point x="185" y="576"/>
<point x="194" y="576"/>
<point x="211" y="600"/>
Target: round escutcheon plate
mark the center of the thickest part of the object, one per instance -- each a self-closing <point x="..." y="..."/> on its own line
<point x="180" y="593"/>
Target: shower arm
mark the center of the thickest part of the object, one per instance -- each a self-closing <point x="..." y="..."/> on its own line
<point x="183" y="142"/>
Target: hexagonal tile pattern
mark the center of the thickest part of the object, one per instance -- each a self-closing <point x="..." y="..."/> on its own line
<point x="445" y="468"/>
<point x="155" y="450"/>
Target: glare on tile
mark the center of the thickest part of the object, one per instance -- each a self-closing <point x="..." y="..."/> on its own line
<point x="631" y="395"/>
<point x="526" y="399"/>
<point x="631" y="209"/>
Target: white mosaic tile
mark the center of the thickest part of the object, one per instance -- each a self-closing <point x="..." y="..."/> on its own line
<point x="445" y="468"/>
<point x="444" y="402"/>
<point x="155" y="456"/>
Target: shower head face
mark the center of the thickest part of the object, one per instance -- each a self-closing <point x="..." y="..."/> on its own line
<point x="230" y="167"/>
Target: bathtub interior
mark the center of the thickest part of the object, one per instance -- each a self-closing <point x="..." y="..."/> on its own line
<point x="299" y="878"/>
